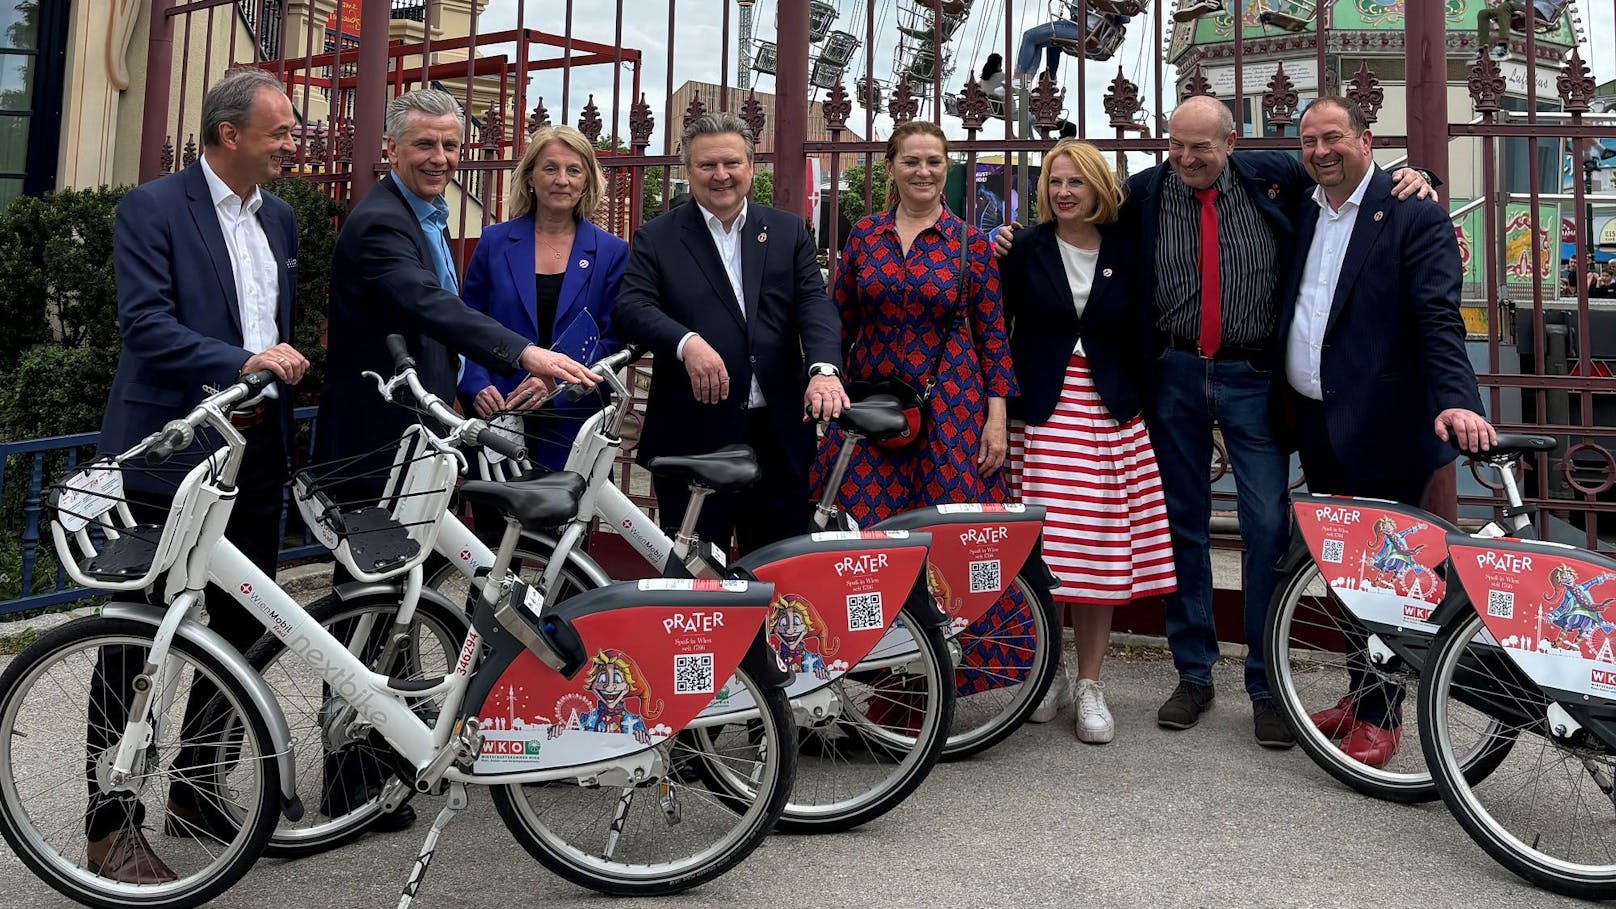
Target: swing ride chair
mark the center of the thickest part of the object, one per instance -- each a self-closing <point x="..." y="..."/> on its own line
<point x="918" y="19"/>
<point x="1290" y="15"/>
<point x="1517" y="18"/>
<point x="1101" y="38"/>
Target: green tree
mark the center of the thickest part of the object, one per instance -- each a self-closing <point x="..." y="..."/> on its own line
<point x="763" y="187"/>
<point x="851" y="200"/>
<point x="56" y="281"/>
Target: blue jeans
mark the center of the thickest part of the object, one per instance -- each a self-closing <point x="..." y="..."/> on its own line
<point x="1039" y="36"/>
<point x="1192" y="392"/>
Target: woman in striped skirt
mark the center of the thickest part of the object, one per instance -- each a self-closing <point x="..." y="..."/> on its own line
<point x="1080" y="342"/>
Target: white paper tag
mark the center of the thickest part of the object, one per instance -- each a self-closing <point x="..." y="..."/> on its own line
<point x="508" y="425"/>
<point x="89" y="494"/>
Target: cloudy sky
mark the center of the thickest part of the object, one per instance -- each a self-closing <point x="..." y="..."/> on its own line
<point x="697" y="42"/>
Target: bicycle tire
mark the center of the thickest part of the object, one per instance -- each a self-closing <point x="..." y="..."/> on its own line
<point x="32" y="737"/>
<point x="1307" y="634"/>
<point x="993" y="712"/>
<point x="1460" y="678"/>
<point x="302" y="699"/>
<point x="771" y="774"/>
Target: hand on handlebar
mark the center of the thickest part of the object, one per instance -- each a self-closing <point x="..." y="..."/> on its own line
<point x="547" y="364"/>
<point x="1467" y="429"/>
<point x="526" y="396"/>
<point x="283" y="360"/>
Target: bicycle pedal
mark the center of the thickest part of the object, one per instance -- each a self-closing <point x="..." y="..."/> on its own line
<point x="668" y="797"/>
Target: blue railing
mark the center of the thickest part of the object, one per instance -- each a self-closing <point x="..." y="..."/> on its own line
<point x="33" y="453"/>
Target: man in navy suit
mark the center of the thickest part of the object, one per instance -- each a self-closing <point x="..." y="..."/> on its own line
<point x="1377" y="380"/>
<point x="206" y="265"/>
<point x="392" y="272"/>
<point x="728" y="297"/>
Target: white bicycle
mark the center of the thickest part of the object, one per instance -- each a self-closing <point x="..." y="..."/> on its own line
<point x="502" y="718"/>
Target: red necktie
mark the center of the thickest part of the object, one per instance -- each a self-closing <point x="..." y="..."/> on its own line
<point x="1211" y="289"/>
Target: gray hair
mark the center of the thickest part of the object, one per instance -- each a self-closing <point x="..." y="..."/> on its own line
<point x="715" y="125"/>
<point x="429" y="101"/>
<point x="230" y="100"/>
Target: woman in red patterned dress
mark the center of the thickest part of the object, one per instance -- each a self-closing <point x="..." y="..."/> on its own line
<point x="906" y="316"/>
<point x="1081" y="341"/>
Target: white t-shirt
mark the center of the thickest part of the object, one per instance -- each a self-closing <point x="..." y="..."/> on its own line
<point x="1080" y="264"/>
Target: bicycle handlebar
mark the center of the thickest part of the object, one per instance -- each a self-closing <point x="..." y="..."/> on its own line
<point x="606" y="368"/>
<point x="177" y="435"/>
<point x="488" y="437"/>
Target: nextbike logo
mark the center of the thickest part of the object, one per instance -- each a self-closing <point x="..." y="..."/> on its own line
<point x="341" y="681"/>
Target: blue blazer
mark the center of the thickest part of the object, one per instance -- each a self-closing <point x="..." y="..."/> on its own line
<point x="499" y="282"/>
<point x="1273" y="180"/>
<point x="1044" y="325"/>
<point x="1394" y="344"/>
<point x="675" y="283"/>
<point x="177" y="307"/>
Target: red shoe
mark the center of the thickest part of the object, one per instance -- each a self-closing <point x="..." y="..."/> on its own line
<point x="1336" y="721"/>
<point x="1371" y="745"/>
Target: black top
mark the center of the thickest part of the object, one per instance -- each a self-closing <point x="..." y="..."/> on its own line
<point x="547" y="292"/>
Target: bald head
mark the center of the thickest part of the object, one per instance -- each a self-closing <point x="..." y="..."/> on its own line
<point x="1200" y="139"/>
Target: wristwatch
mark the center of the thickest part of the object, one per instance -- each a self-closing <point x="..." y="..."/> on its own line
<point x="823" y="369"/>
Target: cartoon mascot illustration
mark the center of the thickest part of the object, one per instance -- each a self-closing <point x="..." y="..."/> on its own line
<point x="939" y="589"/>
<point x="613" y="678"/>
<point x="1393" y="558"/>
<point x="1576" y="614"/>
<point x="793" y="624"/>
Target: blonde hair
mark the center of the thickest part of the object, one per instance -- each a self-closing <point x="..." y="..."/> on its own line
<point x="522" y="200"/>
<point x="912" y="128"/>
<point x="1093" y="170"/>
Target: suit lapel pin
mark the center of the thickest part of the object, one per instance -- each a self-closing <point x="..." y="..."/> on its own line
<point x="1379" y="215"/>
<point x="1273" y="191"/>
<point x="291" y="263"/>
<point x="1105" y="273"/>
<point x="763" y="235"/>
<point x="583" y="263"/>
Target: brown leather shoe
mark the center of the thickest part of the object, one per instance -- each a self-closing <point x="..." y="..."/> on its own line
<point x="125" y="856"/>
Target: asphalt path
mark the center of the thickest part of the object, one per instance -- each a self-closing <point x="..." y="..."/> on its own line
<point x="1198" y="818"/>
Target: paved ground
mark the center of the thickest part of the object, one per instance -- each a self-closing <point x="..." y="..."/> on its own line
<point x="1201" y="818"/>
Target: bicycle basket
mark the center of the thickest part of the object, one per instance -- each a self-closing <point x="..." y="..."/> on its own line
<point x="388" y="538"/>
<point x="99" y="542"/>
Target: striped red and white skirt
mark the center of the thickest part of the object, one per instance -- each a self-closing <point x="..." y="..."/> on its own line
<point x="1105" y="533"/>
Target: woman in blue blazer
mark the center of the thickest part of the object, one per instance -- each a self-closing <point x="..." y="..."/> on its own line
<point x="550" y="275"/>
<point x="1080" y="333"/>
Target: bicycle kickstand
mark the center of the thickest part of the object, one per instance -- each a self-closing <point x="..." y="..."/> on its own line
<point x="457" y="803"/>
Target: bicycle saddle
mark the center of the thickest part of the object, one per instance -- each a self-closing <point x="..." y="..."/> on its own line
<point x="876" y="417"/>
<point x="1511" y="444"/>
<point x="729" y="468"/>
<point x="538" y="504"/>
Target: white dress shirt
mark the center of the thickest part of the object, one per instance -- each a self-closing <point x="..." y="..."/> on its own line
<point x="728" y="243"/>
<point x="1304" y="346"/>
<point x="251" y="262"/>
<point x="1079" y="263"/>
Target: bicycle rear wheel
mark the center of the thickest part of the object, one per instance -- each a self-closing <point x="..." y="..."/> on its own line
<point x="673" y="831"/>
<point x="1546" y="813"/>
<point x="215" y="756"/>
<point x="341" y="786"/>
<point x="1008" y="660"/>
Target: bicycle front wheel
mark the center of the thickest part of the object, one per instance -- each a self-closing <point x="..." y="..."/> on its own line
<point x="1546" y="813"/>
<point x="206" y="788"/>
<point x="670" y="832"/>
<point x="1008" y="658"/>
<point x="340" y="778"/>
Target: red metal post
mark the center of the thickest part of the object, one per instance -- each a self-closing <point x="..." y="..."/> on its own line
<point x="1425" y="54"/>
<point x="791" y="108"/>
<point x="159" y="65"/>
<point x="370" y="93"/>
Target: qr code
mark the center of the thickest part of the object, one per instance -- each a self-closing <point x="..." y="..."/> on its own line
<point x="985" y="577"/>
<point x="693" y="673"/>
<point x="864" y="611"/>
<point x="1500" y="604"/>
<point x="1333" y="552"/>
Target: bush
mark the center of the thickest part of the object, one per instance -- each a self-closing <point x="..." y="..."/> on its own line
<point x="56" y="281"/>
<point x="56" y="391"/>
<point x="316" y="215"/>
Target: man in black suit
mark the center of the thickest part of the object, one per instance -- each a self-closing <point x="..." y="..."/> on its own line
<point x="1377" y="378"/>
<point x="728" y="297"/>
<point x="206" y="265"/>
<point x="392" y="272"/>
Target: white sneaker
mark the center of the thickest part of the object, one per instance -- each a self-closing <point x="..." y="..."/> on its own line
<point x="1056" y="699"/>
<point x="1093" y="723"/>
<point x="1499" y="52"/>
